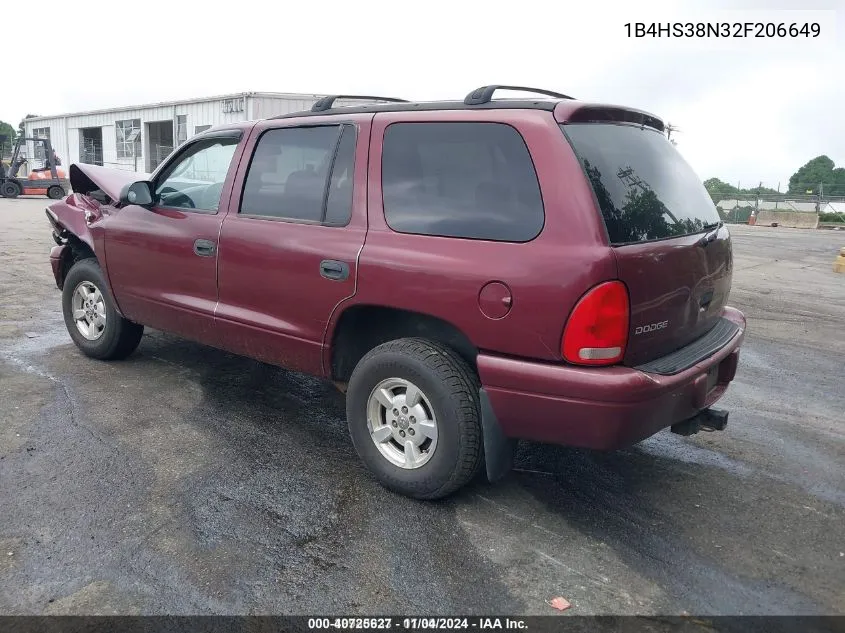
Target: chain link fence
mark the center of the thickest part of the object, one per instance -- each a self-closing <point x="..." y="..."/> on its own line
<point x="739" y="207"/>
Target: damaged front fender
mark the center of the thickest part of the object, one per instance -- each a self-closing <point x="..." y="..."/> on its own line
<point x="74" y="217"/>
<point x="72" y="221"/>
<point x="77" y="233"/>
<point x="78" y="220"/>
<point x="60" y="256"/>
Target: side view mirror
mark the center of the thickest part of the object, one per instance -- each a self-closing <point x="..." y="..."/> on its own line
<point x="139" y="193"/>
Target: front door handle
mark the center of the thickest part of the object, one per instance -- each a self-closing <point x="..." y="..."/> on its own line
<point x="205" y="248"/>
<point x="334" y="270"/>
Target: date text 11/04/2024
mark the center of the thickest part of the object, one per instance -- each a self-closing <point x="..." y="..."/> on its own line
<point x="723" y="29"/>
<point x="416" y="623"/>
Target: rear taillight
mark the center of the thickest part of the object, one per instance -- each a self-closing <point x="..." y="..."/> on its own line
<point x="597" y="330"/>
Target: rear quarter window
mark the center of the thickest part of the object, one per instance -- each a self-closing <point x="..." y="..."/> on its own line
<point x="465" y="180"/>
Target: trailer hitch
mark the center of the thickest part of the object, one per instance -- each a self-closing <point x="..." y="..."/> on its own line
<point x="706" y="420"/>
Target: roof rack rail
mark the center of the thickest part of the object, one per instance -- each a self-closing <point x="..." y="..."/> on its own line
<point x="485" y="93"/>
<point x="326" y="102"/>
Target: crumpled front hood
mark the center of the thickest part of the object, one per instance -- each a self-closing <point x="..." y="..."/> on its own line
<point x="87" y="178"/>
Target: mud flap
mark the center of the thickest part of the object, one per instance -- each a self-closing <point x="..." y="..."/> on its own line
<point x="498" y="449"/>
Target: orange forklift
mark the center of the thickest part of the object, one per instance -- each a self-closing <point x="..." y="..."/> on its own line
<point x="49" y="180"/>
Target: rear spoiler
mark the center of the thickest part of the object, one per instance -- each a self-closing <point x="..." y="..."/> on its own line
<point x="574" y="112"/>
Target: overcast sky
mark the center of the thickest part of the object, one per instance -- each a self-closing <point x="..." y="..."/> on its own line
<point x="748" y="110"/>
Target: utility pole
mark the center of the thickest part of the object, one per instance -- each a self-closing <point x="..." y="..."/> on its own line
<point x="669" y="129"/>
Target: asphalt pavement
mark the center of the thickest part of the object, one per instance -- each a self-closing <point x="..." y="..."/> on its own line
<point x="186" y="480"/>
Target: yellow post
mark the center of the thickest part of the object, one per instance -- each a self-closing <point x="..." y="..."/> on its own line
<point x="839" y="263"/>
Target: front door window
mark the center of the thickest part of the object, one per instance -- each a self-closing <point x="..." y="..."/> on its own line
<point x="195" y="179"/>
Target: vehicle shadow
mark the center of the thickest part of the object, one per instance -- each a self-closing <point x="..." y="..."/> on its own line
<point x="286" y="480"/>
<point x="670" y="513"/>
<point x="285" y="502"/>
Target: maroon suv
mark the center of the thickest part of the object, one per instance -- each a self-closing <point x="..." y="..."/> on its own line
<point x="468" y="272"/>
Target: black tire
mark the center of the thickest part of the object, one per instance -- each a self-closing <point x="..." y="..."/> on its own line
<point x="450" y="386"/>
<point x="119" y="337"/>
<point x="10" y="189"/>
<point x="56" y="192"/>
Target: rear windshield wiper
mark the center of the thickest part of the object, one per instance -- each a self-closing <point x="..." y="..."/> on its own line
<point x="709" y="237"/>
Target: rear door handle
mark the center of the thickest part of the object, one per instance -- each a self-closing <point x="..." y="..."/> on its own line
<point x="334" y="270"/>
<point x="205" y="248"/>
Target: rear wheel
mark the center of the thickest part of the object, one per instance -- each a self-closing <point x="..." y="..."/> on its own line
<point x="10" y="189"/>
<point x="56" y="192"/>
<point x="91" y="319"/>
<point x="413" y="412"/>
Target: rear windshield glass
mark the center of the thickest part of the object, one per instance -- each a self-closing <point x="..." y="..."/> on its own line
<point x="645" y="189"/>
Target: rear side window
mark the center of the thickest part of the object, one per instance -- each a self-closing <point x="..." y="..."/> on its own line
<point x="645" y="189"/>
<point x="469" y="180"/>
<point x="339" y="198"/>
<point x="302" y="174"/>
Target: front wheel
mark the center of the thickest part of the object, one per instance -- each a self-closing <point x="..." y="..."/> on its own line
<point x="90" y="316"/>
<point x="413" y="412"/>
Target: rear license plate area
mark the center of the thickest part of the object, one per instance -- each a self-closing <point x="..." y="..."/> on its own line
<point x="712" y="378"/>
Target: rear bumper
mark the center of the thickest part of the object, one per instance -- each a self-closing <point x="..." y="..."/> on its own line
<point x="602" y="408"/>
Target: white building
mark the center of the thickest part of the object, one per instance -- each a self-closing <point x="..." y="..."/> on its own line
<point x="140" y="137"/>
<point x="800" y="206"/>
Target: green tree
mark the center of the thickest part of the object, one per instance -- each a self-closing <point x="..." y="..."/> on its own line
<point x="838" y="182"/>
<point x="22" y="125"/>
<point x="819" y="175"/>
<point x="7" y="136"/>
<point x="7" y="130"/>
<point x="719" y="189"/>
<point x="760" y="190"/>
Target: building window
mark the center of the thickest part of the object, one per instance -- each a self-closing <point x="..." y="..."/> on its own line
<point x="125" y="132"/>
<point x="91" y="145"/>
<point x="201" y="128"/>
<point x="40" y="132"/>
<point x="181" y="128"/>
